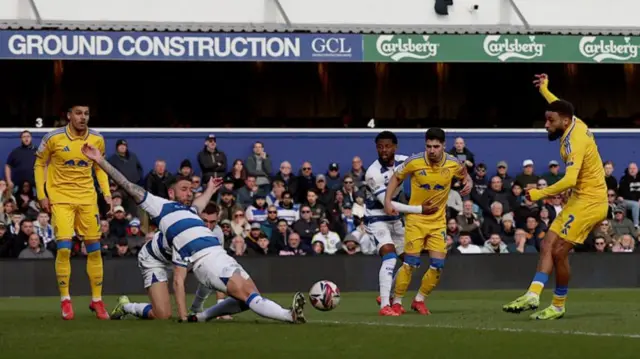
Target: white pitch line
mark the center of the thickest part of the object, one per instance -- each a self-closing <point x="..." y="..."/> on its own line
<point x="483" y="329"/>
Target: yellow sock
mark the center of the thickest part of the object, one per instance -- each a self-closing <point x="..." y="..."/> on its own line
<point x="538" y="282"/>
<point x="403" y="279"/>
<point x="63" y="268"/>
<point x="559" y="296"/>
<point x="429" y="282"/>
<point x="95" y="272"/>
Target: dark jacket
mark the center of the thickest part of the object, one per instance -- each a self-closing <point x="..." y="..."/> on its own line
<point x="212" y="164"/>
<point x="466" y="155"/>
<point x="304" y="184"/>
<point x="306" y="230"/>
<point x="21" y="161"/>
<point x="629" y="187"/>
<point x="489" y="196"/>
<point x="612" y="183"/>
<point x="290" y="184"/>
<point x="262" y="174"/>
<point x="128" y="165"/>
<point x="157" y="185"/>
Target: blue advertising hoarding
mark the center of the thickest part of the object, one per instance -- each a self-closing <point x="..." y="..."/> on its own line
<point x="323" y="147"/>
<point x="172" y="46"/>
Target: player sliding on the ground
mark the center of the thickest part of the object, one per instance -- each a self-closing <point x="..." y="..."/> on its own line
<point x="386" y="231"/>
<point x="585" y="209"/>
<point x="193" y="244"/>
<point x="431" y="174"/>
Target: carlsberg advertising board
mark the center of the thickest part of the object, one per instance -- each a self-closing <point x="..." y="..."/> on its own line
<point x="501" y="48"/>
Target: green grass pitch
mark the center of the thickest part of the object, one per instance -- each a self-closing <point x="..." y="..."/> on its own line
<point x="599" y="324"/>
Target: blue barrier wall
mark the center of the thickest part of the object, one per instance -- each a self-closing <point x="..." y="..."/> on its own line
<point x="323" y="147"/>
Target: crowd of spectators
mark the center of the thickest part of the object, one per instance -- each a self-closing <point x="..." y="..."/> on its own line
<point x="264" y="210"/>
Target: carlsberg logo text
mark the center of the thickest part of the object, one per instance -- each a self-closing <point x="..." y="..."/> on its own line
<point x="398" y="48"/>
<point x="505" y="48"/>
<point x="608" y="49"/>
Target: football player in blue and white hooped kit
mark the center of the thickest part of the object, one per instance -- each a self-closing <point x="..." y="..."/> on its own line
<point x="195" y="245"/>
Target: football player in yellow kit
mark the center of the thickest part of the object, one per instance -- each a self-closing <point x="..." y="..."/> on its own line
<point x="431" y="174"/>
<point x="586" y="207"/>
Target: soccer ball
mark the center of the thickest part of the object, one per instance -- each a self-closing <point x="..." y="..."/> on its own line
<point x="324" y="295"/>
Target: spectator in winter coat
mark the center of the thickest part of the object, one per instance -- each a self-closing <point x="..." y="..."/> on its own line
<point x="463" y="154"/>
<point x="288" y="178"/>
<point x="612" y="182"/>
<point x="306" y="226"/>
<point x="357" y="172"/>
<point x="35" y="249"/>
<point x="280" y="236"/>
<point x="295" y="247"/>
<point x="212" y="161"/>
<point x="332" y="177"/>
<point x="159" y="180"/>
<point x="237" y="175"/>
<point x="469" y="223"/>
<point x="527" y="179"/>
<point x="493" y="223"/>
<point x="501" y="171"/>
<point x="259" y="165"/>
<point x="629" y="190"/>
<point x="246" y="193"/>
<point x="325" y="193"/>
<point x="494" y="245"/>
<point x="126" y="162"/>
<point x="621" y="224"/>
<point x="554" y="175"/>
<point x="495" y="193"/>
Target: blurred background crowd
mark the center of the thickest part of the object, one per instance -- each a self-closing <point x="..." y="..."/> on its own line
<point x="285" y="209"/>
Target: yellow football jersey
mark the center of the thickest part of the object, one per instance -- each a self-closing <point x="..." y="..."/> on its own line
<point x="68" y="172"/>
<point x="430" y="182"/>
<point x="585" y="173"/>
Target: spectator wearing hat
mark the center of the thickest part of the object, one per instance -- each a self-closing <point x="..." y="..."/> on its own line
<point x="246" y="193"/>
<point x="228" y="184"/>
<point x="480" y="182"/>
<point x="159" y="180"/>
<point x="238" y="174"/>
<point x="135" y="236"/>
<point x="527" y="179"/>
<point x="333" y="176"/>
<point x="554" y="175"/>
<point x="126" y="162"/>
<point x="330" y="240"/>
<point x="228" y="205"/>
<point x="185" y="169"/>
<point x="257" y="211"/>
<point x="621" y="224"/>
<point x="225" y="225"/>
<point x="252" y="237"/>
<point x="212" y="161"/>
<point x="502" y="169"/>
<point x="118" y="225"/>
<point x="259" y="165"/>
<point x="325" y="193"/>
<point x="349" y="246"/>
<point x="508" y="228"/>
<point x="305" y="181"/>
<point x="288" y="178"/>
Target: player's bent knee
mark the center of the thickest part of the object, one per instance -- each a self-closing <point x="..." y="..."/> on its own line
<point x="387" y="249"/>
<point x="436" y="263"/>
<point x="240" y="287"/>
<point x="412" y="261"/>
<point x="92" y="246"/>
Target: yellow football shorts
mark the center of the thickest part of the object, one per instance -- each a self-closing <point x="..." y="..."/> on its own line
<point x="420" y="236"/>
<point x="577" y="220"/>
<point x="83" y="219"/>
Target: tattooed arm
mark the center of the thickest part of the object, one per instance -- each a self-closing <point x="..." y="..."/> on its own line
<point x="136" y="192"/>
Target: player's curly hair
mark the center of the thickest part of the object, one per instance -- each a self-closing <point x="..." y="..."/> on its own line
<point x="387" y="135"/>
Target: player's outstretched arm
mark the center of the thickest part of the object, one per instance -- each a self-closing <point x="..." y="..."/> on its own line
<point x="568" y="181"/>
<point x="542" y="83"/>
<point x="136" y="192"/>
<point x="212" y="187"/>
<point x="179" y="276"/>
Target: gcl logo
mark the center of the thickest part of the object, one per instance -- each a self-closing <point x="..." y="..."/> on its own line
<point x="331" y="47"/>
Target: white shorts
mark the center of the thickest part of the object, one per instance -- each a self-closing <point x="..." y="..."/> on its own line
<point x="382" y="233"/>
<point x="152" y="269"/>
<point x="214" y="270"/>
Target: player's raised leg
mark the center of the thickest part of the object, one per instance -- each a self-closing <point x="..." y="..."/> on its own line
<point x="62" y="220"/>
<point x="87" y="220"/>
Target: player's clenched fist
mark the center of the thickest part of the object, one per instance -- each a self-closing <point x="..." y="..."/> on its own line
<point x="541" y="81"/>
<point x="428" y="208"/>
